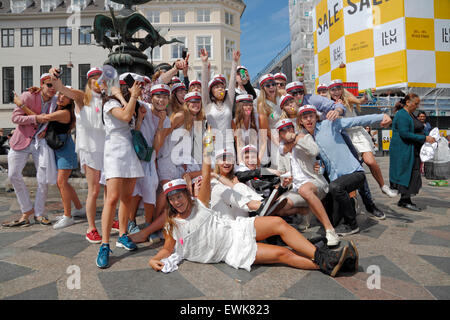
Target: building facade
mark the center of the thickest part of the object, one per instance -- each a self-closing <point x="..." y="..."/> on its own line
<point x="39" y="34"/>
<point x="213" y="25"/>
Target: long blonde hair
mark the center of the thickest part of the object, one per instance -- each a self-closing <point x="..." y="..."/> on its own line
<point x="239" y="117"/>
<point x="88" y="92"/>
<point x="189" y="119"/>
<point x="230" y="175"/>
<point x="345" y="96"/>
<point x="263" y="107"/>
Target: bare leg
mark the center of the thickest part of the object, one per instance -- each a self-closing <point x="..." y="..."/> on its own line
<point x="309" y="192"/>
<point x="64" y="189"/>
<point x="270" y="254"/>
<point x="142" y="236"/>
<point x="370" y="161"/>
<point x="134" y="206"/>
<point x="149" y="210"/>
<point x="272" y="226"/>
<point x="109" y="209"/>
<point x="93" y="180"/>
<point x="125" y="206"/>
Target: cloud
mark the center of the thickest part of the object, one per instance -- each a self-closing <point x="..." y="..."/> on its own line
<point x="281" y="14"/>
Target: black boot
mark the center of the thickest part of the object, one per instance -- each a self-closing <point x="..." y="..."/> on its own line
<point x="351" y="263"/>
<point x="330" y="262"/>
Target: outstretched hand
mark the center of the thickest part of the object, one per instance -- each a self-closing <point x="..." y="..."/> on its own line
<point x="236" y="56"/>
<point x="386" y="122"/>
<point x="204" y="55"/>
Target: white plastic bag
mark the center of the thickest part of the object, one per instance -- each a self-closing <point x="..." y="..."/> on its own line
<point x="428" y="149"/>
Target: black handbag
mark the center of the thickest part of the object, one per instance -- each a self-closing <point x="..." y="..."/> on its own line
<point x="53" y="141"/>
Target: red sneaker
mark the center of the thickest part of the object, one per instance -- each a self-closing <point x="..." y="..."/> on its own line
<point x="93" y="236"/>
<point x="115" y="226"/>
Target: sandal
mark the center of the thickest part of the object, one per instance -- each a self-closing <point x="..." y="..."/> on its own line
<point x="43" y="220"/>
<point x="17" y="223"/>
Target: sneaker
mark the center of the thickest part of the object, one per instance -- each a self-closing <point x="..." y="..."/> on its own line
<point x="276" y="207"/>
<point x="132" y="227"/>
<point x="93" y="236"/>
<point x="154" y="238"/>
<point x="63" y="222"/>
<point x="345" y="230"/>
<point x="115" y="226"/>
<point x="377" y="214"/>
<point x="330" y="262"/>
<point x="410" y="206"/>
<point x="126" y="243"/>
<point x="78" y="213"/>
<point x="388" y="191"/>
<point x="332" y="238"/>
<point x="103" y="256"/>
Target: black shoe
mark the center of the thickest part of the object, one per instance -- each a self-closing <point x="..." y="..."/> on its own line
<point x="265" y="205"/>
<point x="345" y="230"/>
<point x="351" y="264"/>
<point x="330" y="262"/>
<point x="377" y="213"/>
<point x="410" y="206"/>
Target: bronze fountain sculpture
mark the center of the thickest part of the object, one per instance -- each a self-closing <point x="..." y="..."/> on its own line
<point x="117" y="34"/>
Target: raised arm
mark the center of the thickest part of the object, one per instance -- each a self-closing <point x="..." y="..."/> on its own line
<point x="204" y="194"/>
<point x="232" y="83"/>
<point x="166" y="77"/>
<point x="363" y="121"/>
<point x="205" y="80"/>
<point x="126" y="113"/>
<point x="329" y="107"/>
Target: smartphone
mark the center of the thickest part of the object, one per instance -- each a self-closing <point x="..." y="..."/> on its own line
<point x="129" y="80"/>
<point x="184" y="54"/>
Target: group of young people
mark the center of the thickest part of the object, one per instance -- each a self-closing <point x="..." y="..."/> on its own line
<point x="227" y="163"/>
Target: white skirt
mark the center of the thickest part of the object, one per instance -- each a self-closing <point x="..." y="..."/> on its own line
<point x="93" y="160"/>
<point x="147" y="185"/>
<point x="120" y="159"/>
<point x="360" y="139"/>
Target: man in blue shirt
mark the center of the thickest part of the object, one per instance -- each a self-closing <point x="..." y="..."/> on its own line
<point x="344" y="171"/>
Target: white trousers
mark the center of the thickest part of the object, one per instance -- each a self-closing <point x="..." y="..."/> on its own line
<point x="16" y="163"/>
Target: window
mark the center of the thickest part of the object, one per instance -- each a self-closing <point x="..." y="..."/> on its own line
<point x="46" y="37"/>
<point x="48" y="5"/>
<point x="176" y="51"/>
<point x="230" y="46"/>
<point x="79" y="3"/>
<point x="84" y="37"/>
<point x="156" y="54"/>
<point x="82" y="72"/>
<point x="26" y="37"/>
<point x="17" y="6"/>
<point x="66" y="76"/>
<point x="178" y="16"/>
<point x="204" y="42"/>
<point x="7" y="38"/>
<point x="203" y="15"/>
<point x="229" y="18"/>
<point x="44" y="69"/>
<point x="65" y="36"/>
<point x="27" y="78"/>
<point x="8" y="84"/>
<point x="115" y="6"/>
<point x="153" y="16"/>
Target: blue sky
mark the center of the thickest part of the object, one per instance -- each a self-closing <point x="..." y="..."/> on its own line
<point x="265" y="32"/>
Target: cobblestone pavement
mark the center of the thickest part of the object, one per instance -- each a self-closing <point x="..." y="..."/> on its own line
<point x="409" y="249"/>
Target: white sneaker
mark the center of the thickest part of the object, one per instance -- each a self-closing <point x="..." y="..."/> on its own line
<point x="388" y="191"/>
<point x="78" y="212"/>
<point x="63" y="223"/>
<point x="332" y="238"/>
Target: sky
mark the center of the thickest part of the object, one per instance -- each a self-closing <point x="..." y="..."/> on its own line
<point x="265" y="32"/>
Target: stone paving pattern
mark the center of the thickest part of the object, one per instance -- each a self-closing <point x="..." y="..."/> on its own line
<point x="411" y="250"/>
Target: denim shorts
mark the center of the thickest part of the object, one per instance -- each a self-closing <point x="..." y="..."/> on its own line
<point x="66" y="157"/>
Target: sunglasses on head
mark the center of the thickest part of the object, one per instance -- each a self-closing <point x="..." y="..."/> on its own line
<point x="270" y="84"/>
<point x="298" y="92"/>
<point x="336" y="88"/>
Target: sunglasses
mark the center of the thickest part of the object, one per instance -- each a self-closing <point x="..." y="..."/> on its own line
<point x="270" y="84"/>
<point x="322" y="91"/>
<point x="49" y="85"/>
<point x="336" y="88"/>
<point x="298" y="92"/>
<point x="280" y="84"/>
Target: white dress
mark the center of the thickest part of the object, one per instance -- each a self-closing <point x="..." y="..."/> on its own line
<point x="120" y="159"/>
<point x="206" y="237"/>
<point x="361" y="140"/>
<point x="146" y="186"/>
<point x="90" y="137"/>
<point x="232" y="202"/>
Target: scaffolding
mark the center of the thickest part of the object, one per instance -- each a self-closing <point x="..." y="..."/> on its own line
<point x="302" y="40"/>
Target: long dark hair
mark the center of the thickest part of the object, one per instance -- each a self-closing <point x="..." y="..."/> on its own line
<point x="126" y="95"/>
